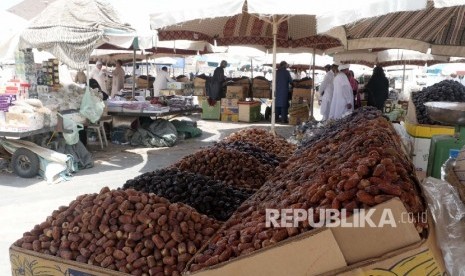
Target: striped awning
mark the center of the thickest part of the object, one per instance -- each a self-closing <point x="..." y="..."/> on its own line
<point x="71" y="29"/>
<point x="388" y="58"/>
<point x="441" y="29"/>
<point x="297" y="31"/>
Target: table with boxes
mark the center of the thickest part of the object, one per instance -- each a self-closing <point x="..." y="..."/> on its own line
<point x="233" y="108"/>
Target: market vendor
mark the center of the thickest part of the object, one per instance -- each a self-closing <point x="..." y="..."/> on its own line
<point x="161" y="81"/>
<point x="283" y="81"/>
<point x="117" y="82"/>
<point x="81" y="77"/>
<point x="215" y="84"/>
<point x="99" y="75"/>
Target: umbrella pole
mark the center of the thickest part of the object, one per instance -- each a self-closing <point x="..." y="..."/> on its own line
<point x="251" y="68"/>
<point x="273" y="82"/>
<point x="133" y="72"/>
<point x="148" y="81"/>
<point x="312" y="93"/>
<point x="403" y="79"/>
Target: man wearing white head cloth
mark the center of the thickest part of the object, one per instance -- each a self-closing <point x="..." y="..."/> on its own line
<point x="99" y="74"/>
<point x="343" y="96"/>
<point x="326" y="92"/>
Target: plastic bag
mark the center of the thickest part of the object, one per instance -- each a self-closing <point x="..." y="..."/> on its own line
<point x="449" y="216"/>
<point x="71" y="133"/>
<point x="91" y="106"/>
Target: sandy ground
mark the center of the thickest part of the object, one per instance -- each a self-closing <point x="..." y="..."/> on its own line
<point x="27" y="202"/>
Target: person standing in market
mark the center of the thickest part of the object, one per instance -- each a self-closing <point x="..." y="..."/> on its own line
<point x="214" y="85"/>
<point x="326" y="92"/>
<point x="343" y="96"/>
<point x="354" y="84"/>
<point x="161" y="81"/>
<point x="80" y="77"/>
<point x="117" y="82"/>
<point x="377" y="89"/>
<point x="283" y="81"/>
<point x="99" y="74"/>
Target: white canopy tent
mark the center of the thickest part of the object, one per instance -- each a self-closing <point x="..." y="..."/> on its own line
<point x="274" y="12"/>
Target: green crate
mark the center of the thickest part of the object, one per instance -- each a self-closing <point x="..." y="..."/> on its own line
<point x="211" y="112"/>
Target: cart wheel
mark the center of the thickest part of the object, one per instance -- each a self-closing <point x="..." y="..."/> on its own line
<point x="25" y="163"/>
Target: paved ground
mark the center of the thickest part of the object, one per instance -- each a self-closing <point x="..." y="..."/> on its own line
<point x="26" y="202"/>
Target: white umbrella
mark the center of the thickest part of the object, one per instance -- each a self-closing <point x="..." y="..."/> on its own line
<point x="71" y="29"/>
<point x="10" y="34"/>
<point x="388" y="57"/>
<point x="295" y="19"/>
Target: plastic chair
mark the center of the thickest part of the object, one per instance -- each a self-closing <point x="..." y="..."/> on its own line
<point x="100" y="129"/>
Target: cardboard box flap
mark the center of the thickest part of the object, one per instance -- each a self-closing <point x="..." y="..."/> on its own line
<point x="42" y="264"/>
<point x="362" y="243"/>
<point x="311" y="255"/>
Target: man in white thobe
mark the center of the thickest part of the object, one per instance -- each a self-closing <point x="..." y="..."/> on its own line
<point x="343" y="96"/>
<point x="326" y="92"/>
<point x="161" y="81"/>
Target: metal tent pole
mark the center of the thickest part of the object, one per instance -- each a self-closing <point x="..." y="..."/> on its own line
<point x="133" y="72"/>
<point x="312" y="92"/>
<point x="273" y="83"/>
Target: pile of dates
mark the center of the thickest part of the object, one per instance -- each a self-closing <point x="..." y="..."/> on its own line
<point x="444" y="91"/>
<point x="355" y="163"/>
<point x="127" y="231"/>
<point x="210" y="197"/>
<point x="263" y="156"/>
<point x="263" y="139"/>
<point x="235" y="168"/>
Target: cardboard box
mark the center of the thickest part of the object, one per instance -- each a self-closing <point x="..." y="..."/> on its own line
<point x="235" y="92"/>
<point x="329" y="250"/>
<point x="229" y="110"/>
<point x="230" y="103"/>
<point x="199" y="82"/>
<point x="230" y="118"/>
<point x="35" y="263"/>
<point x="301" y="95"/>
<point x="261" y="84"/>
<point x="168" y="92"/>
<point x="211" y="112"/>
<point x="297" y="120"/>
<point x="200" y="91"/>
<point x="421" y="136"/>
<point x="420" y="155"/>
<point x="176" y="85"/>
<point x="261" y="93"/>
<point x="249" y="111"/>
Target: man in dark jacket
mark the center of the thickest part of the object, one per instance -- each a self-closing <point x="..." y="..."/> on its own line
<point x="215" y="85"/>
<point x="283" y="80"/>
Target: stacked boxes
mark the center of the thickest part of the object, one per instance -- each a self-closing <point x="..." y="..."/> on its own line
<point x="199" y="87"/>
<point x="261" y="88"/>
<point x="229" y="110"/>
<point x="245" y="83"/>
<point x="299" y="110"/>
<point x="301" y="95"/>
<point x="236" y="92"/>
<point x="298" y="113"/>
<point x="249" y="111"/>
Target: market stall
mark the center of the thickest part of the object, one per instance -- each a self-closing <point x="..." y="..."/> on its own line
<point x="205" y="214"/>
